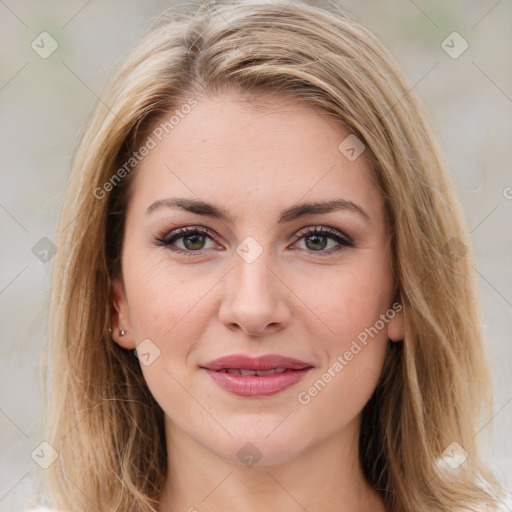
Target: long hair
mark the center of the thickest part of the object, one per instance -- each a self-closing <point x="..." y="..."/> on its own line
<point x="102" y="420"/>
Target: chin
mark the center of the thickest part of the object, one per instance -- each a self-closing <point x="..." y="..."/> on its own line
<point x="259" y="448"/>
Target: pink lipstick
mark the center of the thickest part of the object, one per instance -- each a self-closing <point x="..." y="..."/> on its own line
<point x="252" y="377"/>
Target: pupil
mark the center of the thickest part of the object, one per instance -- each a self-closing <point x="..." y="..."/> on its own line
<point x="316" y="237"/>
<point x="188" y="237"/>
<point x="318" y="241"/>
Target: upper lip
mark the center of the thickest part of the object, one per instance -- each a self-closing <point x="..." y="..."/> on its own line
<point x="266" y="362"/>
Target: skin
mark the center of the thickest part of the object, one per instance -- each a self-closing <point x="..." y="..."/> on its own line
<point x="295" y="299"/>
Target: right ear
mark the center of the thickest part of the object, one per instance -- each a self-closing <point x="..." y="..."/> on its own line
<point x="120" y="320"/>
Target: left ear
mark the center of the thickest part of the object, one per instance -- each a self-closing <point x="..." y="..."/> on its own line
<point x="121" y="317"/>
<point x="396" y="328"/>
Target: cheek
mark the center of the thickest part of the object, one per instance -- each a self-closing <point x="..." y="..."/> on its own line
<point x="165" y="301"/>
<point x="169" y="310"/>
<point x="355" y="349"/>
<point x="353" y="362"/>
<point x="348" y="300"/>
<point x="350" y="303"/>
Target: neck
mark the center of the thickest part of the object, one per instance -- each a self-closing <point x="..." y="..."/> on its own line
<point x="325" y="477"/>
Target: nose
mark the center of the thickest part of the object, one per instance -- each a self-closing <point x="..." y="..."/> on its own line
<point x="255" y="298"/>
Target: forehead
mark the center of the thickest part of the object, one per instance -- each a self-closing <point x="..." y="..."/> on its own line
<point x="238" y="150"/>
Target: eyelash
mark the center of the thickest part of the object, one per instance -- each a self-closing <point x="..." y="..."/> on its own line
<point x="167" y="239"/>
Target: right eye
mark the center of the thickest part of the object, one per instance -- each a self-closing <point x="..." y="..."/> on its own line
<point x="193" y="240"/>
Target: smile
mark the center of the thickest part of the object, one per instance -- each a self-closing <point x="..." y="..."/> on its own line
<point x="256" y="384"/>
<point x="246" y="373"/>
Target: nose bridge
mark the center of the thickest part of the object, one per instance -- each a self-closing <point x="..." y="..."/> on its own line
<point x="253" y="296"/>
<point x="253" y="273"/>
<point x="254" y="267"/>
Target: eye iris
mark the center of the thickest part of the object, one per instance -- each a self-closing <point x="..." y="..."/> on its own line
<point x="194" y="236"/>
<point x="315" y="236"/>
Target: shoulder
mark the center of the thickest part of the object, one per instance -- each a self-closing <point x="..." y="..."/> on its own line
<point x="504" y="505"/>
<point x="502" y="496"/>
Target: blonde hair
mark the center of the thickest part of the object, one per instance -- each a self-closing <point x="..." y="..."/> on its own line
<point x="102" y="418"/>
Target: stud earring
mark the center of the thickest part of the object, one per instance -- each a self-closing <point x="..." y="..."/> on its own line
<point x="122" y="333"/>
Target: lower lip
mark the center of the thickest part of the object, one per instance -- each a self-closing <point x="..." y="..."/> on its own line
<point x="254" y="385"/>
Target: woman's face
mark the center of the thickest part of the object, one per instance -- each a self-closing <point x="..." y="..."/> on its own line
<point x="255" y="282"/>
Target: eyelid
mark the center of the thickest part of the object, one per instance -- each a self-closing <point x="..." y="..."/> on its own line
<point x="177" y="233"/>
<point x="323" y="229"/>
<point x="166" y="238"/>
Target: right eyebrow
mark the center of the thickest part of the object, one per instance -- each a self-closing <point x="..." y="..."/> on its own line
<point x="287" y="215"/>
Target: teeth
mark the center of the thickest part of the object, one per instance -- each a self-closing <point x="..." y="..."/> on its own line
<point x="267" y="372"/>
<point x="233" y="371"/>
<point x="245" y="373"/>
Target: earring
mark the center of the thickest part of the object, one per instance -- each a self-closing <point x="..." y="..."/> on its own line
<point x="122" y="333"/>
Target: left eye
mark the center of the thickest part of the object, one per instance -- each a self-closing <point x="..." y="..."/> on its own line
<point x="193" y="240"/>
<point x="319" y="236"/>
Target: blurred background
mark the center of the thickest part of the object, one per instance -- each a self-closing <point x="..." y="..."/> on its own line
<point x="55" y="59"/>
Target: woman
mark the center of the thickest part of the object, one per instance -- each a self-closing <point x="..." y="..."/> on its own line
<point x="263" y="297"/>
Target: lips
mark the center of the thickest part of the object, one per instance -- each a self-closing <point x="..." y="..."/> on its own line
<point x="258" y="364"/>
<point x="252" y="377"/>
<point x="245" y="372"/>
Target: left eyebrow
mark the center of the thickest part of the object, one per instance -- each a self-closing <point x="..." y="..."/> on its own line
<point x="287" y="215"/>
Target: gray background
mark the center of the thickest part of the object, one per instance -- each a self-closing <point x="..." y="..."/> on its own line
<point x="45" y="102"/>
